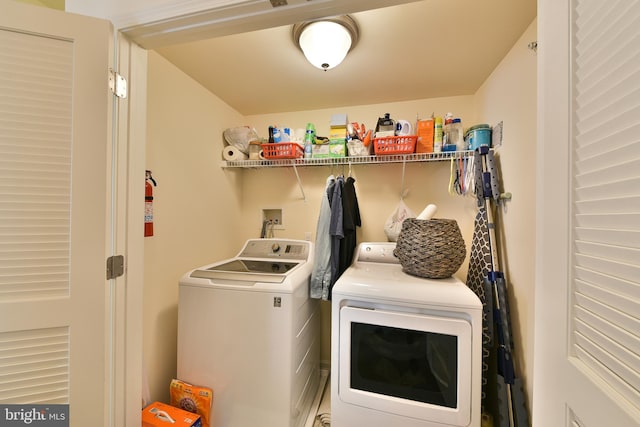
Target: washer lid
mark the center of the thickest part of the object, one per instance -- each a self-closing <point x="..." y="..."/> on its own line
<point x="248" y="270"/>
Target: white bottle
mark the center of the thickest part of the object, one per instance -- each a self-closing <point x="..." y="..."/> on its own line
<point x="456" y="137"/>
<point x="277" y="135"/>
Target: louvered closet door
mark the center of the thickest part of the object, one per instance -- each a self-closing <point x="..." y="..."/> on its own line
<point x="54" y="210"/>
<point x="588" y="303"/>
<point x="605" y="337"/>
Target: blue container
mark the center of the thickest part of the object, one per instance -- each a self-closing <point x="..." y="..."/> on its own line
<point x="478" y="136"/>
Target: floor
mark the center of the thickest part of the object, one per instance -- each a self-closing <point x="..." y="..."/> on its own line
<point x="320" y="414"/>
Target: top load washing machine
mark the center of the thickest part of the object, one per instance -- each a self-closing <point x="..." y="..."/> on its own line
<point x="405" y="350"/>
<point x="248" y="329"/>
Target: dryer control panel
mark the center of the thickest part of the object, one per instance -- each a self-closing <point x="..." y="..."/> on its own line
<point x="380" y="252"/>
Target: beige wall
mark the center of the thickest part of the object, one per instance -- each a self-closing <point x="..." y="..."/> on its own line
<point x="378" y="186"/>
<point x="196" y="204"/>
<point x="205" y="212"/>
<point x="510" y="95"/>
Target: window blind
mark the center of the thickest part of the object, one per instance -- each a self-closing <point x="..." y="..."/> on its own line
<point x="605" y="166"/>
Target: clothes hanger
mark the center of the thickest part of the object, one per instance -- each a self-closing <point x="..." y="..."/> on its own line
<point x="452" y="177"/>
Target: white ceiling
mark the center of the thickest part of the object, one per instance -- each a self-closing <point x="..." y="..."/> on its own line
<point x="425" y="49"/>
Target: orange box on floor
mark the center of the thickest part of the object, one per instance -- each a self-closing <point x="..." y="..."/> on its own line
<point x="159" y="414"/>
<point x="192" y="398"/>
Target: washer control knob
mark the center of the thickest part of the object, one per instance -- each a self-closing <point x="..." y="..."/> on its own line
<point x="275" y="247"/>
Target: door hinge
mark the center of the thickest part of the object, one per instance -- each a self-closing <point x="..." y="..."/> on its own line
<point x="115" y="266"/>
<point x="117" y="84"/>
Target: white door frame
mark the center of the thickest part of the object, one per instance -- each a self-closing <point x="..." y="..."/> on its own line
<point x="129" y="236"/>
<point x="552" y="195"/>
<point x="153" y="24"/>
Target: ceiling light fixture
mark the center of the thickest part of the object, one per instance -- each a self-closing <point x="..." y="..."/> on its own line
<point x="326" y="42"/>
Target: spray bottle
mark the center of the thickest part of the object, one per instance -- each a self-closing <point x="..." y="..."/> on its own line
<point x="309" y="137"/>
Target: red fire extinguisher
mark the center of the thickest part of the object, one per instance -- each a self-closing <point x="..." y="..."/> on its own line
<point x="148" y="204"/>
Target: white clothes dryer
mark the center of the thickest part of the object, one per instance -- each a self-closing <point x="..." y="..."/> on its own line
<point x="405" y="351"/>
<point x="248" y="329"/>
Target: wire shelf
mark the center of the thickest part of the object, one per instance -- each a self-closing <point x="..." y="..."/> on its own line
<point x="362" y="160"/>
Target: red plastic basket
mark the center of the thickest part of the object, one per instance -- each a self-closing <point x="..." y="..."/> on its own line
<point x="282" y="150"/>
<point x="394" y="145"/>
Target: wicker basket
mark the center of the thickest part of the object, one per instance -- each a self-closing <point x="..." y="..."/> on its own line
<point x="430" y="248"/>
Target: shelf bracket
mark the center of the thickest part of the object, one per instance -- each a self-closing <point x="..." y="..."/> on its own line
<point x="403" y="191"/>
<point x="295" y="169"/>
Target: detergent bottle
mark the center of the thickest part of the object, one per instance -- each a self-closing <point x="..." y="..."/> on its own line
<point x="309" y="139"/>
